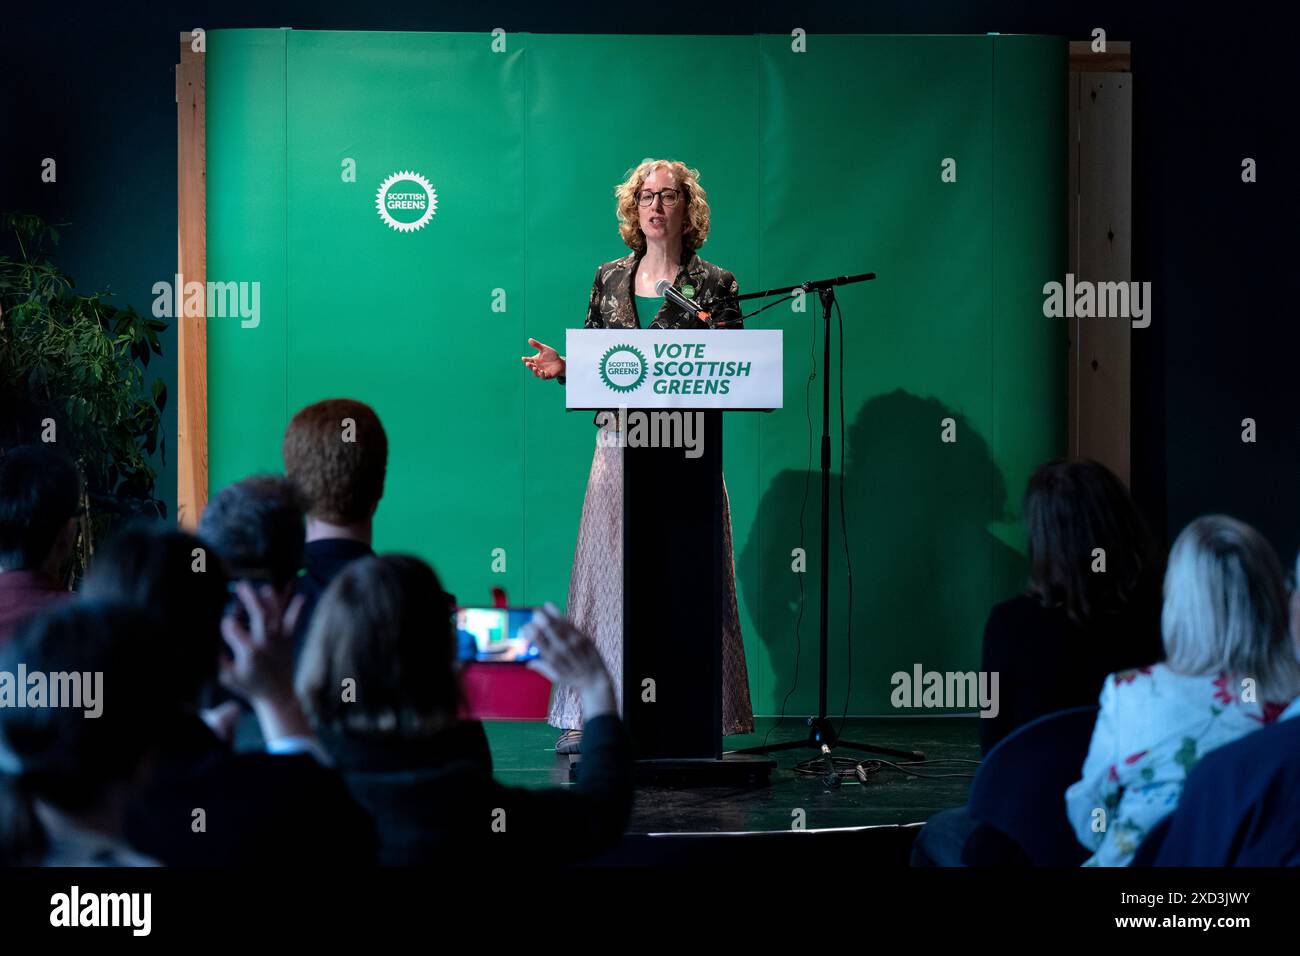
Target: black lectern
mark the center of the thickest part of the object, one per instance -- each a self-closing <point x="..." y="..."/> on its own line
<point x="673" y="597"/>
<point x="673" y="557"/>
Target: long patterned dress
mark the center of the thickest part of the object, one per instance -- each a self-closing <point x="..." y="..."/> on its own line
<point x="596" y="596"/>
<point x="596" y="584"/>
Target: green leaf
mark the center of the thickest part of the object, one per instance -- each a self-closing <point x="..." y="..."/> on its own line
<point x="80" y="359"/>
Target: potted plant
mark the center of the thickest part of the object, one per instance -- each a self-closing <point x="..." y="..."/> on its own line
<point x="72" y="371"/>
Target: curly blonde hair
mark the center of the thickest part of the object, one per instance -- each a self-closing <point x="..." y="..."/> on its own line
<point x="695" y="218"/>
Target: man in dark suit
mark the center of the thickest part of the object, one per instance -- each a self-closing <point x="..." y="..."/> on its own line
<point x="336" y="453"/>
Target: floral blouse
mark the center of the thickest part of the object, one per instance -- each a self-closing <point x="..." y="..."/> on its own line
<point x="1153" y="727"/>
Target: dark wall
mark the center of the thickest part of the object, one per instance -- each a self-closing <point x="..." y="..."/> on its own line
<point x="92" y="87"/>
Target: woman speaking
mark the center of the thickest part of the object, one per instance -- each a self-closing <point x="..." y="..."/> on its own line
<point x="663" y="218"/>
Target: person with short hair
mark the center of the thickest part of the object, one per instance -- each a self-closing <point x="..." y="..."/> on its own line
<point x="270" y="806"/>
<point x="40" y="501"/>
<point x="256" y="527"/>
<point x="1230" y="668"/>
<point x="336" y="453"/>
<point x="68" y="779"/>
<point x="377" y="676"/>
<point x="151" y="565"/>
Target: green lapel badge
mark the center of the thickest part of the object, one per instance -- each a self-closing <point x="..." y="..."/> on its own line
<point x="688" y="290"/>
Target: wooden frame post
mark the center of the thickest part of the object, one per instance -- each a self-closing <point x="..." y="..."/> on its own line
<point x="191" y="266"/>
<point x="1101" y="239"/>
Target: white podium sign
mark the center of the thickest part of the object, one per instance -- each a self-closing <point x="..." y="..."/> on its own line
<point x="673" y="368"/>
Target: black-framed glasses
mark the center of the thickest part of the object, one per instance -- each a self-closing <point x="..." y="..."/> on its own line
<point x="670" y="196"/>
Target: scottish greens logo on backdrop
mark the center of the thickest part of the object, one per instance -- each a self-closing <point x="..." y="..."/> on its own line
<point x="623" y="368"/>
<point x="406" y="201"/>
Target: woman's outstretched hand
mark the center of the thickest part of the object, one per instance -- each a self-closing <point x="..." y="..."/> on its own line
<point x="546" y="363"/>
<point x="567" y="656"/>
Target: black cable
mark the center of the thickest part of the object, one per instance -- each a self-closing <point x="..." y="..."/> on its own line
<point x="866" y="768"/>
<point x="803" y="507"/>
<point x="844" y="532"/>
<point x="768" y="306"/>
<point x="850" y="768"/>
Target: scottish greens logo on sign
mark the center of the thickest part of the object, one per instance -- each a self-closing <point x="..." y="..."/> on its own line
<point x="623" y="368"/>
<point x="406" y="201"/>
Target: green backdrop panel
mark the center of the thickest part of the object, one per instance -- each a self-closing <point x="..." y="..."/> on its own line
<point x="855" y="135"/>
<point x="404" y="321"/>
<point x="1029" y="351"/>
<point x="246" y="210"/>
<point x="817" y="163"/>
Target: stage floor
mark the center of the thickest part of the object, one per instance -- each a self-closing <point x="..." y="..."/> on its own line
<point x="524" y="755"/>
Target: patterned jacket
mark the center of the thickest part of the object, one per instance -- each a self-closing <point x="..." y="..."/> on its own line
<point x="612" y="304"/>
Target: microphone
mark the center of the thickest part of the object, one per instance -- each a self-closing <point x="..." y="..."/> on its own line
<point x="665" y="288"/>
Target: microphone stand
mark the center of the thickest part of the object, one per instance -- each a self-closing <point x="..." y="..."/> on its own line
<point x="821" y="734"/>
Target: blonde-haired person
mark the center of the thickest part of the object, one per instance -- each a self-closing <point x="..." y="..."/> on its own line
<point x="1230" y="668"/>
<point x="1239" y="806"/>
<point x="663" y="215"/>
